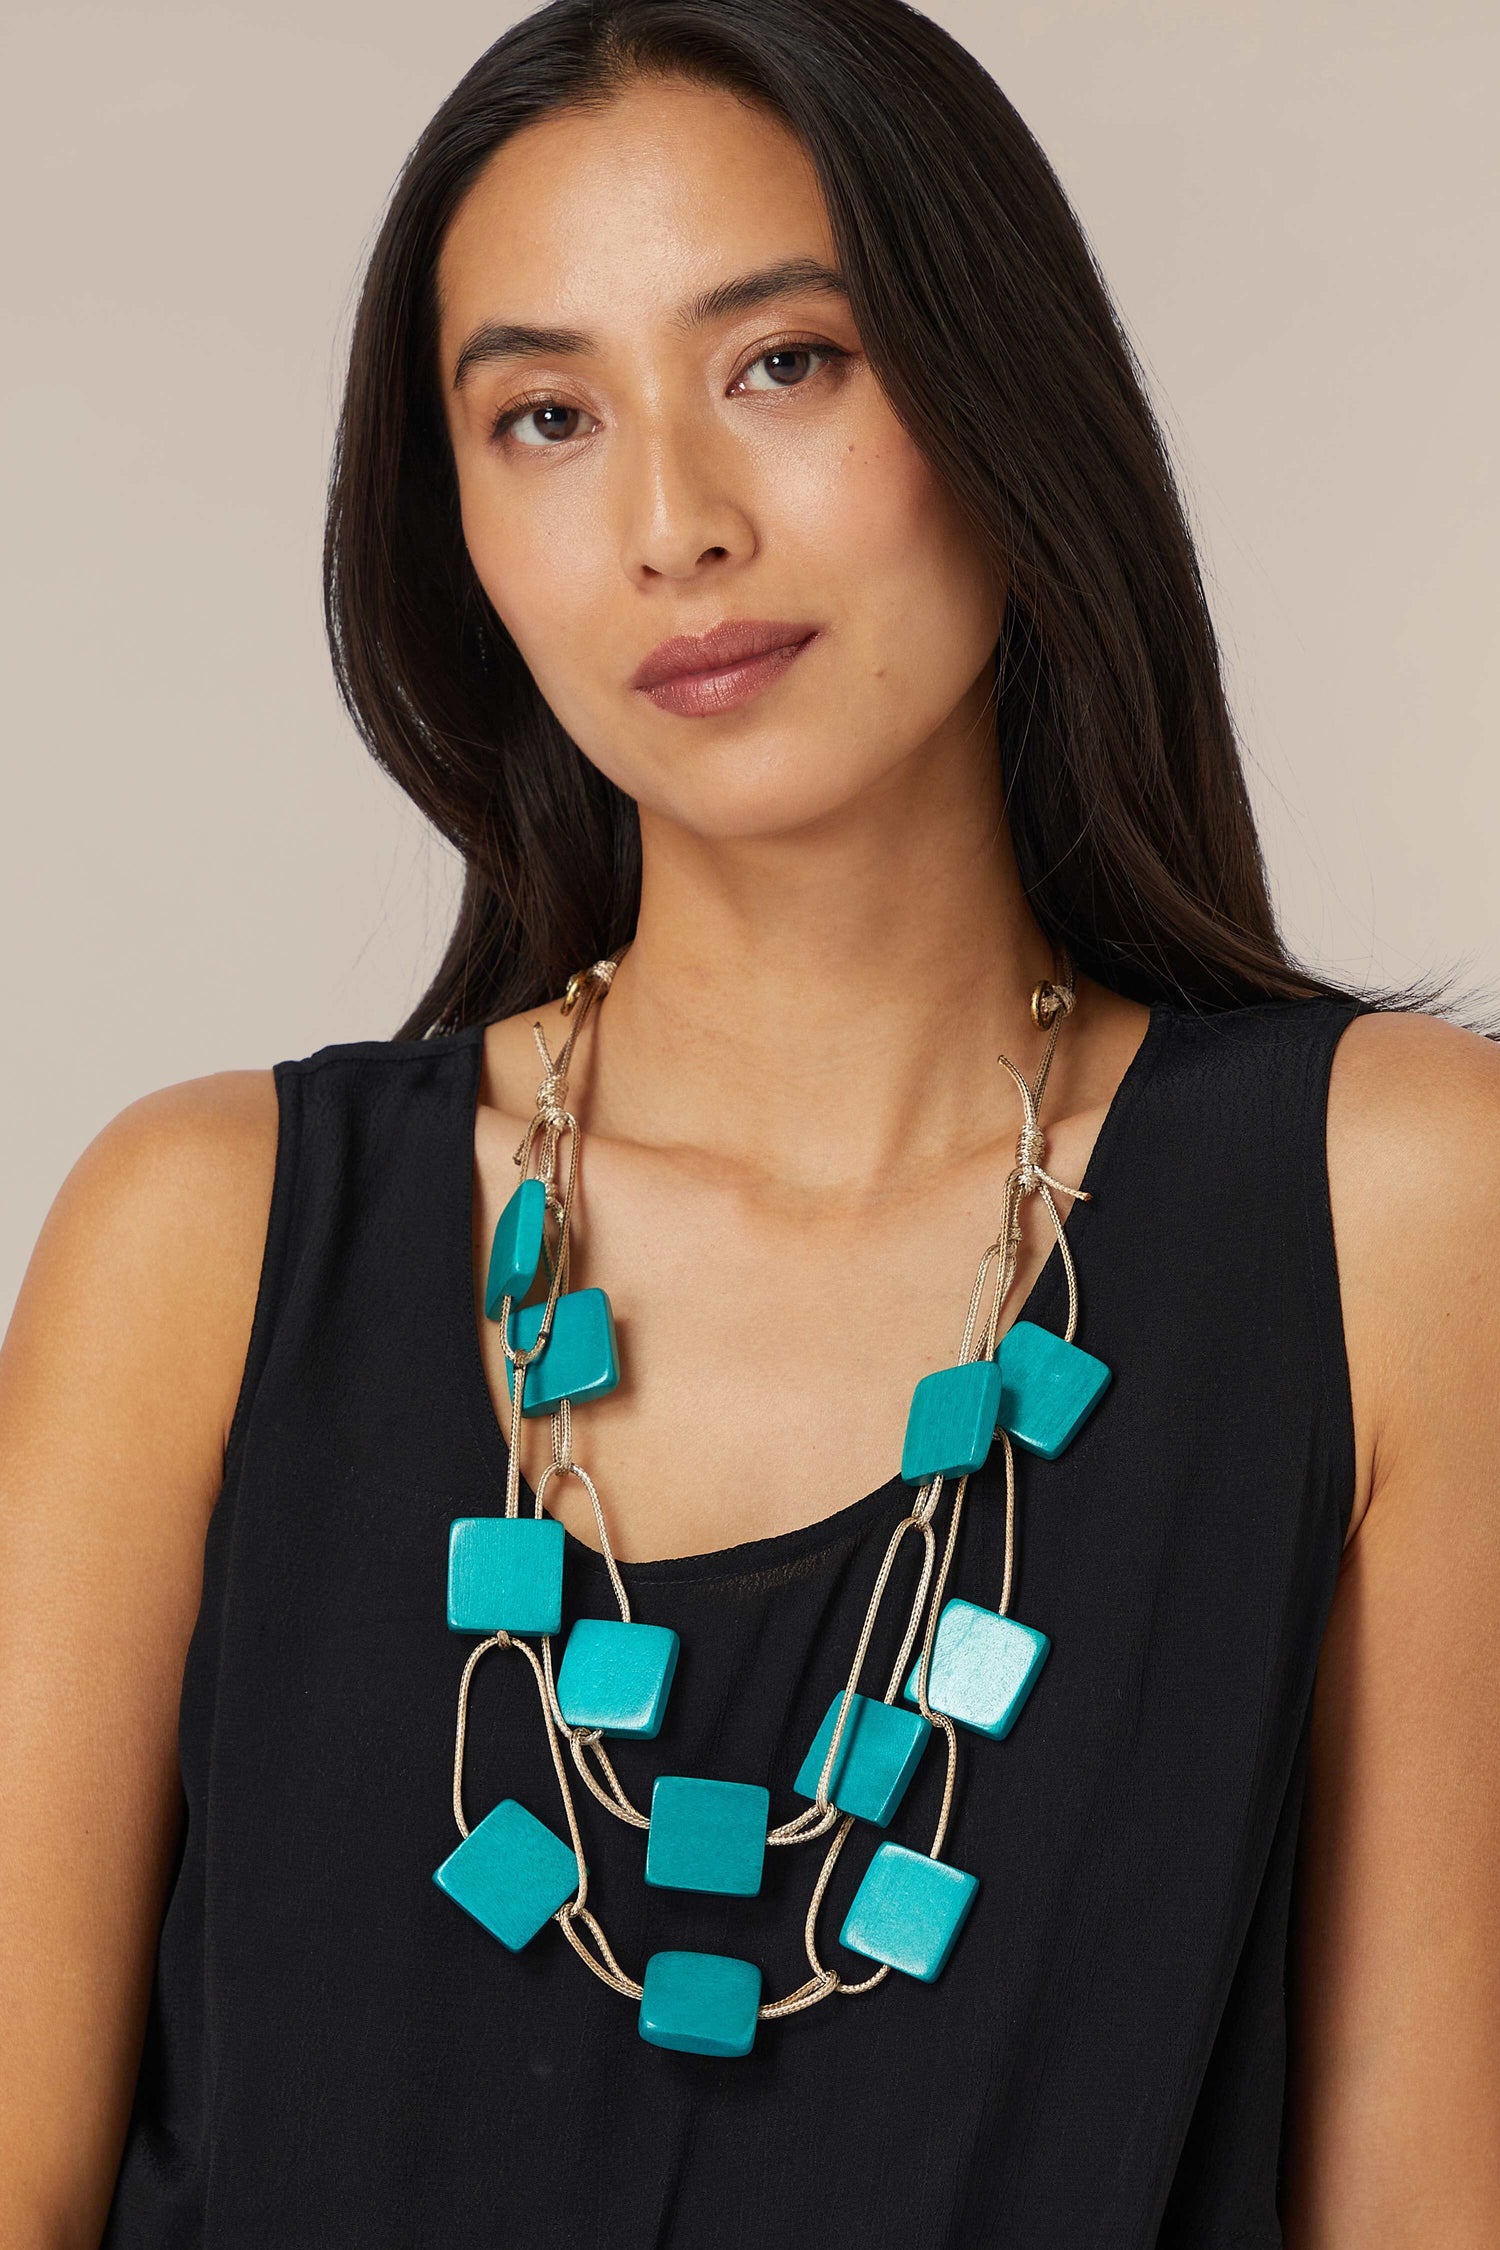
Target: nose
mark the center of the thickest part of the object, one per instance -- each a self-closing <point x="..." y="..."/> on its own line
<point x="683" y="503"/>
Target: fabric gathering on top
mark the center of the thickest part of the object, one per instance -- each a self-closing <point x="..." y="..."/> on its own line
<point x="336" y="2056"/>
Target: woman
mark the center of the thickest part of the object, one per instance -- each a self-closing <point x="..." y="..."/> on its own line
<point x="749" y="543"/>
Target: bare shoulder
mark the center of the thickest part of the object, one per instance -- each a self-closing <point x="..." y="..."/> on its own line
<point x="180" y="1174"/>
<point x="155" y="1241"/>
<point x="1414" y="1188"/>
<point x="219" y="1128"/>
<point x="1394" y="1065"/>
<point x="1413" y="1134"/>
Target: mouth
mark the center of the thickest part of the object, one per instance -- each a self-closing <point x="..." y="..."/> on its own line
<point x="700" y="674"/>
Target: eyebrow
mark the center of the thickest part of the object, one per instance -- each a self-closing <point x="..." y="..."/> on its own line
<point x="503" y="339"/>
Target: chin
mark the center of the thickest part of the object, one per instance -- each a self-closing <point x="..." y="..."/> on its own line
<point x="778" y="789"/>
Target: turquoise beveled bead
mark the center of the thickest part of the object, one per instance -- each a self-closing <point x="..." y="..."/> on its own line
<point x="907" y="1911"/>
<point x="505" y="1574"/>
<point x="982" y="1669"/>
<point x="516" y="1246"/>
<point x="700" y="2003"/>
<point x="707" y="1835"/>
<point x="879" y="1751"/>
<point x="579" y="1360"/>
<point x="615" y="1676"/>
<point x="511" y="1873"/>
<point x="951" y="1422"/>
<point x="1048" y="1387"/>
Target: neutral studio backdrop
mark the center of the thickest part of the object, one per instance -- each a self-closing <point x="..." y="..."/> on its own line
<point x="1297" y="208"/>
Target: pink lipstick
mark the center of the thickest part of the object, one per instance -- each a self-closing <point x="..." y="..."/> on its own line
<point x="698" y="675"/>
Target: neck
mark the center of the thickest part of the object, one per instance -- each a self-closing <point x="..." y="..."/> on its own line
<point x="825" y="1007"/>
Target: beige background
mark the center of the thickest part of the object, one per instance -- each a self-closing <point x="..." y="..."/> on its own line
<point x="1296" y="206"/>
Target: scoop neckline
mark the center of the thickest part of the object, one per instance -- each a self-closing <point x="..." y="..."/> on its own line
<point x="749" y="1557"/>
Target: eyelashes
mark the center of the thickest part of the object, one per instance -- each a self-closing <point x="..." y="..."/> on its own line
<point x="828" y="358"/>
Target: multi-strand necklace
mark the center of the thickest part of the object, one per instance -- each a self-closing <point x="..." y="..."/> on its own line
<point x="958" y="1665"/>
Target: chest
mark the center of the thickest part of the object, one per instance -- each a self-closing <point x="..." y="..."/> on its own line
<point x="769" y="1340"/>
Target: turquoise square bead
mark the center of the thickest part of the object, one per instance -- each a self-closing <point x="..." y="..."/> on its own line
<point x="879" y="1750"/>
<point x="579" y="1360"/>
<point x="707" y="1835"/>
<point x="700" y="2003"/>
<point x="983" y="1667"/>
<point x="516" y="1246"/>
<point x="505" y="1574"/>
<point x="951" y="1423"/>
<point x="511" y="1873"/>
<point x="1048" y="1388"/>
<point x="615" y="1676"/>
<point x="908" y="1911"/>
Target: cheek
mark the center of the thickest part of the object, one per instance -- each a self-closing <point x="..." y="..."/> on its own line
<point x="904" y="524"/>
<point x="923" y="607"/>
<point x="543" y="585"/>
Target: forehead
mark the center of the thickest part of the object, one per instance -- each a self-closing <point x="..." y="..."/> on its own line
<point x="603" y="216"/>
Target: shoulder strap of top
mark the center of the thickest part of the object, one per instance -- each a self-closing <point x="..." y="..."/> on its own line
<point x="1323" y="1274"/>
<point x="374" y="1142"/>
<point x="1248" y="1094"/>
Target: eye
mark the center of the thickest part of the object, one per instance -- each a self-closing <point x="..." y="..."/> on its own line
<point x="788" y="365"/>
<point x="538" y="421"/>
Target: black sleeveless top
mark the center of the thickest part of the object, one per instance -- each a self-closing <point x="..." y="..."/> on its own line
<point x="339" y="2058"/>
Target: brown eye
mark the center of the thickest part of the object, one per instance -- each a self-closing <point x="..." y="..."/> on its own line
<point x="787" y="365"/>
<point x="539" y="422"/>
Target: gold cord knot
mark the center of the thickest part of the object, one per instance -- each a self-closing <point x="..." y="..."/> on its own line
<point x="600" y="972"/>
<point x="1031" y="1146"/>
<point x="1048" y="1001"/>
<point x="549" y="1101"/>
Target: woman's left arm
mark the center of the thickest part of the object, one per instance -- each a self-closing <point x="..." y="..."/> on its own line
<point x="1393" y="2127"/>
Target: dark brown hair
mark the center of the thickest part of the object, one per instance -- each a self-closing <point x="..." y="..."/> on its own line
<point x="987" y="322"/>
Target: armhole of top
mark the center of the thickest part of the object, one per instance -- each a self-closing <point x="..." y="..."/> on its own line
<point x="1328" y="1300"/>
<point x="273" y="1258"/>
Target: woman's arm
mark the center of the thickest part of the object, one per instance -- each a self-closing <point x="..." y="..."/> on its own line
<point x="118" y="1380"/>
<point x="1394" y="2125"/>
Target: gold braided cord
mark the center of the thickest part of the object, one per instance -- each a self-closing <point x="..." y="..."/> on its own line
<point x="1051" y="1003"/>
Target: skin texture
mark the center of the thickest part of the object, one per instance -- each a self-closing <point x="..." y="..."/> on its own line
<point x="797" y="1133"/>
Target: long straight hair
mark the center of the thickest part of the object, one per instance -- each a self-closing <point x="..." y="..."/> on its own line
<point x="988" y="324"/>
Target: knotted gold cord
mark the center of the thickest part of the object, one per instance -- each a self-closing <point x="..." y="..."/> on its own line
<point x="1051" y="1003"/>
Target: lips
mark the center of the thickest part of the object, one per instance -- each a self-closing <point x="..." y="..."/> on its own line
<point x="706" y="675"/>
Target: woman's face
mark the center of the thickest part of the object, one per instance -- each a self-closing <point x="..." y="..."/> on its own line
<point x="663" y="424"/>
